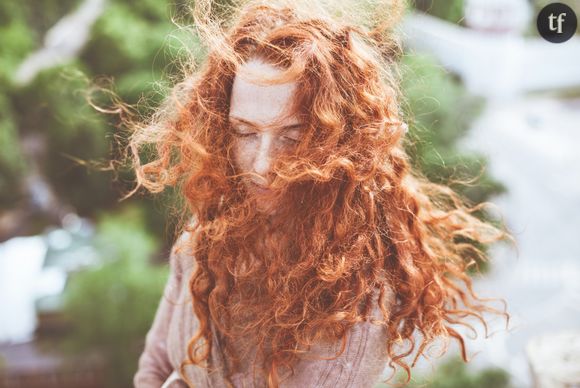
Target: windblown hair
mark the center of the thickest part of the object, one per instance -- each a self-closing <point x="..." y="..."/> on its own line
<point x="353" y="217"/>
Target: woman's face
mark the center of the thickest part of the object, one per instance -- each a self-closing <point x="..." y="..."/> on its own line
<point x="263" y="128"/>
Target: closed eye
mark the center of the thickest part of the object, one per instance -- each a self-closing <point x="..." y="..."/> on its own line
<point x="290" y="140"/>
<point x="244" y="134"/>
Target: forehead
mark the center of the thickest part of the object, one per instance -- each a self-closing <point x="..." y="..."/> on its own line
<point x="259" y="103"/>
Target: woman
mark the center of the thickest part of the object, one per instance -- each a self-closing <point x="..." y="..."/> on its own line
<point x="316" y="256"/>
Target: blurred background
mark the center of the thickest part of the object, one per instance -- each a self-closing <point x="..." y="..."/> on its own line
<point x="81" y="272"/>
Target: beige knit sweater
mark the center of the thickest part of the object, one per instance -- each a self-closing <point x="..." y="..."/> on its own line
<point x="360" y="365"/>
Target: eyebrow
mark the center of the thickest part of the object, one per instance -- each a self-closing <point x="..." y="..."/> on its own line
<point x="285" y="127"/>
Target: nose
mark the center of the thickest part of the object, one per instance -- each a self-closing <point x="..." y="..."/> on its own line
<point x="263" y="157"/>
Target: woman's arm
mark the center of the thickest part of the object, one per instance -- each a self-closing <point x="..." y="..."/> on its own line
<point x="154" y="366"/>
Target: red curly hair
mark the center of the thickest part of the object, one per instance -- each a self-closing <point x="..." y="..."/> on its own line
<point x="353" y="216"/>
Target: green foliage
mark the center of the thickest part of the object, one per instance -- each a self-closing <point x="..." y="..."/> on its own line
<point x="450" y="10"/>
<point x="53" y="108"/>
<point x="454" y="373"/>
<point x="16" y="41"/>
<point x="126" y="39"/>
<point x="11" y="161"/>
<point x="111" y="307"/>
<point x="440" y="113"/>
<point x="37" y="16"/>
<point x="129" y="44"/>
<point x="135" y="44"/>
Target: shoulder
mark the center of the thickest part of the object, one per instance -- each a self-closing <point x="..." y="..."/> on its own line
<point x="182" y="257"/>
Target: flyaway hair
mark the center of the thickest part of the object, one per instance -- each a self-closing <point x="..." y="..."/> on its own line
<point x="354" y="218"/>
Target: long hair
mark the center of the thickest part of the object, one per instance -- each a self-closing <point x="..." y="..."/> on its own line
<point x="353" y="217"/>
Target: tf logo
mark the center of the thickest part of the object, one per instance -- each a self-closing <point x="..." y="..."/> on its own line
<point x="557" y="22"/>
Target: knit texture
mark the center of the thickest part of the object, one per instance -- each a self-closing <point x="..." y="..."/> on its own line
<point x="360" y="365"/>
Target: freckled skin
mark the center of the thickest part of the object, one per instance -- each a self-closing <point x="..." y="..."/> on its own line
<point x="263" y="127"/>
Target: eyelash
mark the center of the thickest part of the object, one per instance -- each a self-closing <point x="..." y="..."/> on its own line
<point x="244" y="134"/>
<point x="286" y="139"/>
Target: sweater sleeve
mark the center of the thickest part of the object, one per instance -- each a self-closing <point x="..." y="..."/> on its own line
<point x="154" y="366"/>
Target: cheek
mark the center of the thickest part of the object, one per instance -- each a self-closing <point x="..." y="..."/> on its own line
<point x="242" y="155"/>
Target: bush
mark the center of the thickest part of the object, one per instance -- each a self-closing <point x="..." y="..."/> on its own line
<point x="450" y="10"/>
<point x="454" y="373"/>
<point x="111" y="307"/>
<point x="441" y="112"/>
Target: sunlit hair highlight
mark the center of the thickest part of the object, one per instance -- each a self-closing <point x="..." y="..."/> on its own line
<point x="353" y="217"/>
